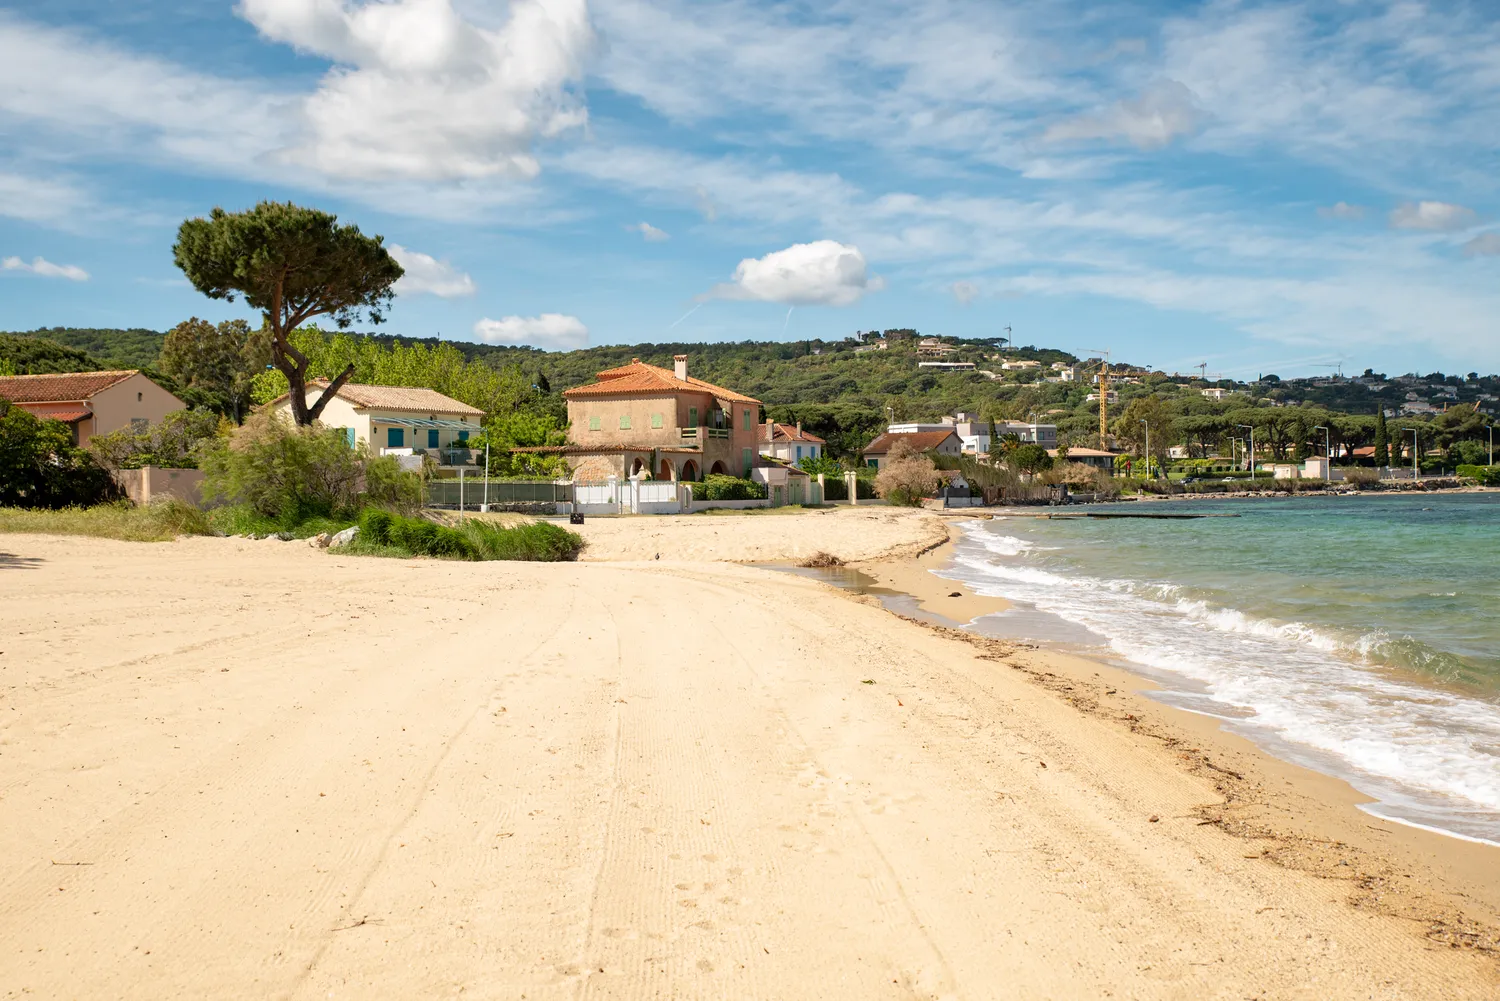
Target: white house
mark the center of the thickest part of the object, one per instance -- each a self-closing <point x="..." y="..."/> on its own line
<point x="789" y="442"/>
<point x="394" y="420"/>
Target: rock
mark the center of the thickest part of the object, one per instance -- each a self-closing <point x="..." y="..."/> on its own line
<point x="320" y="541"/>
<point x="282" y="536"/>
<point x="343" y="538"/>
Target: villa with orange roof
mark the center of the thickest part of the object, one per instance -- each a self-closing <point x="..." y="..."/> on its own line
<point x="640" y="418"/>
<point x="92" y="402"/>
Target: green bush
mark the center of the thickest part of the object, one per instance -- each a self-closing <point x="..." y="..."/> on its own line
<point x="538" y="541"/>
<point x="718" y="487"/>
<point x="173" y="442"/>
<point x="413" y="536"/>
<point x="388" y="485"/>
<point x="40" y="467"/>
<point x="285" y="473"/>
<point x="161" y="521"/>
<point x="1485" y="476"/>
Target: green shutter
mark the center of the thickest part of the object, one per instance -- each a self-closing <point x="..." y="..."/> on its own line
<point x="593" y="424"/>
<point x="656" y="420"/>
<point x="749" y="457"/>
<point x="624" y="422"/>
<point x="692" y="417"/>
<point x="747" y="420"/>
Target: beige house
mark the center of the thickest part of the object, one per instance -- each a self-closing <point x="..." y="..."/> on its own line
<point x="640" y="419"/>
<point x="396" y="420"/>
<point x="944" y="442"/>
<point x="789" y="442"/>
<point x="92" y="402"/>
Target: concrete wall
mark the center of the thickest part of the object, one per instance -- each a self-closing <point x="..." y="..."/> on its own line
<point x="154" y="483"/>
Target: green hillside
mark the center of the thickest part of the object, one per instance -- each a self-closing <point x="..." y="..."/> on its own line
<point x="135" y="348"/>
<point x="21" y="355"/>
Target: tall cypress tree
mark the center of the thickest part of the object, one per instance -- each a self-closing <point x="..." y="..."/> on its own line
<point x="1382" y="440"/>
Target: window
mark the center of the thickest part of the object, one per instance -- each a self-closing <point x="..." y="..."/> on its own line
<point x="463" y="436"/>
<point x="349" y="437"/>
<point x="624" y="422"/>
<point x="593" y="424"/>
<point x="656" y="420"/>
<point x="139" y="425"/>
<point x="692" y="417"/>
<point x="395" y="438"/>
<point x="799" y="453"/>
<point x="749" y="456"/>
<point x="747" y="420"/>
<point x="432" y="437"/>
<point x="140" y="397"/>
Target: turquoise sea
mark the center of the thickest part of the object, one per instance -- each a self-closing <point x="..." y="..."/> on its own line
<point x="1358" y="635"/>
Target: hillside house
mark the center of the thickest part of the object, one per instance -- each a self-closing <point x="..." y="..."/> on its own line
<point x="944" y="442"/>
<point x="396" y="420"/>
<point x="92" y="403"/>
<point x="640" y="419"/>
<point x="789" y="443"/>
<point x="931" y="347"/>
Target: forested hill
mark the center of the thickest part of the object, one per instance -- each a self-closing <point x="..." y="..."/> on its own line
<point x="134" y="348"/>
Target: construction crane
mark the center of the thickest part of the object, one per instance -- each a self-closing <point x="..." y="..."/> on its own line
<point x="1103" y="396"/>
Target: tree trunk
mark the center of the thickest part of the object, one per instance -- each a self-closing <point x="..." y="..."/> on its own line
<point x="316" y="410"/>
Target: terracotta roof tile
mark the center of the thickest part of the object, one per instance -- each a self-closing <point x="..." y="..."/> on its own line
<point x="773" y="432"/>
<point x="409" y="398"/>
<point x="922" y="441"/>
<point x="64" y="387"/>
<point x="638" y="377"/>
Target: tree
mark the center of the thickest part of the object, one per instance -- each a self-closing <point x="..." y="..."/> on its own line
<point x="221" y="360"/>
<point x="1030" y="459"/>
<point x="293" y="264"/>
<point x="994" y="449"/>
<point x="40" y="467"/>
<point x="907" y="476"/>
<point x="1382" y="440"/>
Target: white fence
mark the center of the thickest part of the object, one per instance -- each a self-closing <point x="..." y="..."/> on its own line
<point x="630" y="497"/>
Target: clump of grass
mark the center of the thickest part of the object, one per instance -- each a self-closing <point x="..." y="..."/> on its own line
<point x="821" y="559"/>
<point x="537" y="541"/>
<point x="382" y="533"/>
<point x="159" y="522"/>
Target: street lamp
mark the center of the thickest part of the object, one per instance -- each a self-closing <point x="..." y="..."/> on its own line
<point x="1416" y="474"/>
<point x="1251" y="429"/>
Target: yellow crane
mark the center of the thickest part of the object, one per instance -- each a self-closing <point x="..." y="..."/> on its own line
<point x="1103" y="397"/>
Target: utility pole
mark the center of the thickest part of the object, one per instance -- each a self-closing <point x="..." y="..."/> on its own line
<point x="1148" y="446"/>
<point x="1251" y="429"/>
<point x="1326" y="453"/>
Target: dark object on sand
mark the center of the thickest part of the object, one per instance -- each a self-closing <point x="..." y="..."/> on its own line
<point x="576" y="518"/>
<point x="956" y="594"/>
<point x="821" y="559"/>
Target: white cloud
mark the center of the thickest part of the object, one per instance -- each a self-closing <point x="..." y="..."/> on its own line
<point x="429" y="275"/>
<point x="1432" y="216"/>
<point x="419" y="92"/>
<point x="649" y="233"/>
<point x="822" y="273"/>
<point x="1341" y="210"/>
<point x="43" y="268"/>
<point x="1483" y="245"/>
<point x="964" y="292"/>
<point x="550" y="331"/>
<point x="1165" y="111"/>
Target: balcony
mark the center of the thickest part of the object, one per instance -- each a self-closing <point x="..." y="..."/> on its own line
<point x="697" y="435"/>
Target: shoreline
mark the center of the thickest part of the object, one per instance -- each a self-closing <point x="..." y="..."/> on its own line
<point x="1463" y="871"/>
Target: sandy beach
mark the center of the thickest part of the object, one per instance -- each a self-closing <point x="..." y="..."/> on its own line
<point x="237" y="769"/>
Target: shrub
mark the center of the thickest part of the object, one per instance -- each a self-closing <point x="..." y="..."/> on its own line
<point x="718" y="487"/>
<point x="1029" y="459"/>
<point x="1360" y="476"/>
<point x="40" y="467"/>
<point x="283" y="472"/>
<point x="173" y="442"/>
<point x="384" y="533"/>
<point x="388" y="485"/>
<point x="906" y="477"/>
<point x="158" y="522"/>
<point x="1485" y="476"/>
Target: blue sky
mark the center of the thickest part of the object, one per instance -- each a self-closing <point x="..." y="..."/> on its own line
<point x="1262" y="186"/>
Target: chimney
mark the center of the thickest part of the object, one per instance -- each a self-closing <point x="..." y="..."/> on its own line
<point x="799" y="429"/>
<point x="679" y="363"/>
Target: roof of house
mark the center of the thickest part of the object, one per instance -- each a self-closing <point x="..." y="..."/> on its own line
<point x="408" y="398"/>
<point x="922" y="441"/>
<point x="64" y="387"/>
<point x="770" y="431"/>
<point x="1076" y="451"/>
<point x="638" y="377"/>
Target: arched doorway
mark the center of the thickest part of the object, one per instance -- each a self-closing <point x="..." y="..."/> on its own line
<point x="635" y="470"/>
<point x="717" y="469"/>
<point x="666" y="470"/>
<point x="690" y="471"/>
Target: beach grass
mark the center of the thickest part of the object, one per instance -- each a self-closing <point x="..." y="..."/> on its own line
<point x="382" y="533"/>
<point x="160" y="522"/>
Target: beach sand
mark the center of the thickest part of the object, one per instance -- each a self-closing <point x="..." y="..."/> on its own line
<point x="237" y="769"/>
